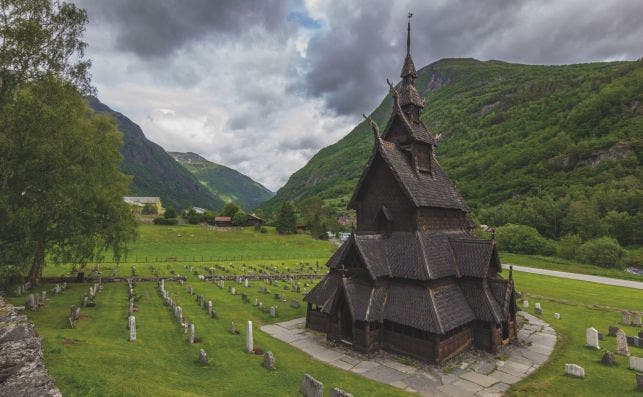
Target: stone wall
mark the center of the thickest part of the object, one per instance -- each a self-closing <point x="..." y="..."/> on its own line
<point x="22" y="369"/>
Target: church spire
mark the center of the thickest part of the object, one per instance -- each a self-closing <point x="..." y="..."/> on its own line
<point x="408" y="92"/>
<point x="408" y="36"/>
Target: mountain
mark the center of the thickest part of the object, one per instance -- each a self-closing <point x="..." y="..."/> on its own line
<point x="228" y="184"/>
<point x="155" y="172"/>
<point x="506" y="132"/>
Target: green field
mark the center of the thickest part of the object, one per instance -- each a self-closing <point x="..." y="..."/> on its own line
<point x="96" y="358"/>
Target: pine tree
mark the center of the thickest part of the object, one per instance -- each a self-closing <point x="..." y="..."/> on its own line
<point x="286" y="220"/>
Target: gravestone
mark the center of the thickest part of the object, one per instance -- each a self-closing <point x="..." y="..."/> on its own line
<point x="557" y="316"/>
<point x="625" y="318"/>
<point x="233" y="291"/>
<point x="640" y="334"/>
<point x="214" y="314"/>
<point x="73" y="315"/>
<point x="612" y="330"/>
<point x="575" y="370"/>
<point x="31" y="302"/>
<point x="191" y="333"/>
<point x="525" y="304"/>
<point x="608" y="359"/>
<point x="591" y="336"/>
<point x="636" y="363"/>
<point x="132" y="328"/>
<point x="244" y="298"/>
<point x="246" y="283"/>
<point x="273" y="311"/>
<point x="639" y="382"/>
<point x="294" y="304"/>
<point x="260" y="305"/>
<point x="178" y="313"/>
<point x="249" y="341"/>
<point x="210" y="308"/>
<point x="233" y="329"/>
<point x="633" y="341"/>
<point x="269" y="361"/>
<point x="636" y="319"/>
<point x="256" y="302"/>
<point x="621" y="343"/>
<point x="337" y="392"/>
<point x="537" y="308"/>
<point x="203" y="357"/>
<point x="311" y="387"/>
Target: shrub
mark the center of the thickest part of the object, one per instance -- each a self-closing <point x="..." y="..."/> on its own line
<point x="569" y="246"/>
<point x="602" y="251"/>
<point x="170" y="212"/>
<point x="165" y="221"/>
<point x="523" y="239"/>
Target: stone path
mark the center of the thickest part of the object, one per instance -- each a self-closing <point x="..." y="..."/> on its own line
<point x="473" y="373"/>
<point x="577" y="276"/>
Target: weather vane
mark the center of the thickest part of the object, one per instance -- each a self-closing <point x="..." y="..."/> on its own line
<point x="410" y="14"/>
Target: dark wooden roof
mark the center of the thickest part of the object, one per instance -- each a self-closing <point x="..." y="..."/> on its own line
<point x="427" y="255"/>
<point x="417" y="131"/>
<point x="423" y="189"/>
<point x="408" y="69"/>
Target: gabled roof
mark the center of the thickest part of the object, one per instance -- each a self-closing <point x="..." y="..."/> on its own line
<point x="427" y="255"/>
<point x="408" y="69"/>
<point x="417" y="131"/>
<point x="423" y="189"/>
<point x="482" y="300"/>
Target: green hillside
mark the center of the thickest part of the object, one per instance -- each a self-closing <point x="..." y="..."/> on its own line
<point x="228" y="184"/>
<point x="156" y="173"/>
<point x="514" y="137"/>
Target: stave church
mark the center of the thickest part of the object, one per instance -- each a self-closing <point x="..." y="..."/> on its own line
<point x="412" y="279"/>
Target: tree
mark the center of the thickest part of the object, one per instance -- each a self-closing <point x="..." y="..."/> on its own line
<point x="230" y="209"/>
<point x="41" y="38"/>
<point x="169" y="213"/>
<point x="239" y="218"/>
<point x="62" y="187"/>
<point x="286" y="219"/>
<point x="149" y="209"/>
<point x="603" y="251"/>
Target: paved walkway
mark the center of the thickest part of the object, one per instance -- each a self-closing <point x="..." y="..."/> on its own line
<point x="475" y="373"/>
<point x="578" y="276"/>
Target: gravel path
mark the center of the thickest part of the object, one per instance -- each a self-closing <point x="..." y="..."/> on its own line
<point x="578" y="276"/>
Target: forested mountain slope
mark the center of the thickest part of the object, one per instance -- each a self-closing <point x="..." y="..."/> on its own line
<point x="550" y="146"/>
<point x="155" y="172"/>
<point x="228" y="184"/>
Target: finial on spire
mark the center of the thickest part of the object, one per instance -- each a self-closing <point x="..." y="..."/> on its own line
<point x="392" y="89"/>
<point x="408" y="35"/>
<point x="374" y="126"/>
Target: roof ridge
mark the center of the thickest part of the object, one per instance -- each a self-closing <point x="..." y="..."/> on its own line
<point x="435" y="311"/>
<point x="424" y="254"/>
<point x="491" y="299"/>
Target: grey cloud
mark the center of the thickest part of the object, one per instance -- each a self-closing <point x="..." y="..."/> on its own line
<point x="365" y="42"/>
<point x="153" y="28"/>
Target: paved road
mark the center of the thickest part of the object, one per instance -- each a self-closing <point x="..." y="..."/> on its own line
<point x="577" y="276"/>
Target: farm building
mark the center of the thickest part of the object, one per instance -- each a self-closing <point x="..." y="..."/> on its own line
<point x="222" y="221"/>
<point x="254" y="220"/>
<point x="142" y="201"/>
<point x="412" y="279"/>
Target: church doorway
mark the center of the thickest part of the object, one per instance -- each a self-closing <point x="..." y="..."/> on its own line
<point x="346" y="323"/>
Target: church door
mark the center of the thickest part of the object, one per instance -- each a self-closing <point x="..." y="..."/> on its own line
<point x="346" y="321"/>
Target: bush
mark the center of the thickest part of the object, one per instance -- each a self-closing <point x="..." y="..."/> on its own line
<point x="602" y="251"/>
<point x="523" y="239"/>
<point x="165" y="221"/>
<point x="239" y="218"/>
<point x="170" y="212"/>
<point x="569" y="246"/>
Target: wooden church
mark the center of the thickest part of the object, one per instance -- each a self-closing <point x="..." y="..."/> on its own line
<point x="412" y="279"/>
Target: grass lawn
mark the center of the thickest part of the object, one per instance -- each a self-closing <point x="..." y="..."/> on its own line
<point x="575" y="319"/>
<point x="198" y="247"/>
<point x="95" y="359"/>
<point x="564" y="265"/>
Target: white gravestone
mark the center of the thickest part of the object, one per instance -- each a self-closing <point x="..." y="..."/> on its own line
<point x="621" y="343"/>
<point x="273" y="311"/>
<point x="575" y="370"/>
<point x="249" y="340"/>
<point x="233" y="291"/>
<point x="591" y="335"/>
<point x="191" y="333"/>
<point x="557" y="316"/>
<point x="538" y="308"/>
<point x="525" y="304"/>
<point x="246" y="283"/>
<point x="210" y="308"/>
<point x="132" y="328"/>
<point x="636" y="363"/>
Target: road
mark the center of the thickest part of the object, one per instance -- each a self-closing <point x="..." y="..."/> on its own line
<point x="578" y="276"/>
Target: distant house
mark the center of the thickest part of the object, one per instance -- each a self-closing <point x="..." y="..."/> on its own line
<point x="343" y="236"/>
<point x="254" y="220"/>
<point x="199" y="210"/>
<point x="330" y="234"/>
<point x="143" y="201"/>
<point x="222" y="221"/>
<point x="346" y="220"/>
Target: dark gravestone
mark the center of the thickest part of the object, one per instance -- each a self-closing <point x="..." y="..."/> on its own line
<point x="641" y="334"/>
<point x="269" y="361"/>
<point x="612" y="331"/>
<point x="639" y="381"/>
<point x="633" y="341"/>
<point x="600" y="336"/>
<point x="294" y="304"/>
<point x="608" y="359"/>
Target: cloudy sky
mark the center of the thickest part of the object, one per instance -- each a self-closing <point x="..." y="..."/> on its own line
<point x="262" y="85"/>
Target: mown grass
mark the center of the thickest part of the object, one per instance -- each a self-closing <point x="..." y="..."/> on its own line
<point x="96" y="359"/>
<point x="564" y="265"/>
<point x="569" y="298"/>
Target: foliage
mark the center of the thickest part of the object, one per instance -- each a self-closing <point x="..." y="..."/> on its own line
<point x="62" y="187"/>
<point x="149" y="209"/>
<point x="228" y="184"/>
<point x="523" y="239"/>
<point x="239" y="218"/>
<point x="230" y="209"/>
<point x="170" y="212"/>
<point x="523" y="143"/>
<point x="318" y="217"/>
<point x="569" y="246"/>
<point x="603" y="251"/>
<point x="286" y="222"/>
<point x="42" y="38"/>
